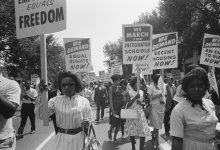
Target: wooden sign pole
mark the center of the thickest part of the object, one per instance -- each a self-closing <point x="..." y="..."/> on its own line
<point x="43" y="55"/>
<point x="138" y="78"/>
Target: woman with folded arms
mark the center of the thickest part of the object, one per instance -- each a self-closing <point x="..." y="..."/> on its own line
<point x="73" y="112"/>
<point x="193" y="121"/>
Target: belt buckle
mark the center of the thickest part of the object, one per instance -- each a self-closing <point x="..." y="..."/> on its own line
<point x="65" y="131"/>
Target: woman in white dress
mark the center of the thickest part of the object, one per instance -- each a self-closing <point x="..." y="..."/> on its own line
<point x="137" y="127"/>
<point x="72" y="111"/>
<point x="193" y="121"/>
<point x="156" y="116"/>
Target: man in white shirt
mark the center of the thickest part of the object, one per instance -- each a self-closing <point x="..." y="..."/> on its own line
<point x="27" y="109"/>
<point x="10" y="92"/>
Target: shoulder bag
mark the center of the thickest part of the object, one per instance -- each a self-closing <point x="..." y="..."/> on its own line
<point x="128" y="113"/>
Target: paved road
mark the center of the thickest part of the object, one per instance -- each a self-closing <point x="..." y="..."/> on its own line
<point x="43" y="137"/>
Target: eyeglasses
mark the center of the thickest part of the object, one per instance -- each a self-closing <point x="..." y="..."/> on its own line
<point x="68" y="84"/>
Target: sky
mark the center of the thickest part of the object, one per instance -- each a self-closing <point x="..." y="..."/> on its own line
<point x="101" y="21"/>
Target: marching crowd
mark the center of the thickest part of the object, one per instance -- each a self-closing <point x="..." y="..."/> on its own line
<point x="189" y="111"/>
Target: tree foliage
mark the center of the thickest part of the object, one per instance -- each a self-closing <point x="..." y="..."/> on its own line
<point x="190" y="18"/>
<point x="22" y="56"/>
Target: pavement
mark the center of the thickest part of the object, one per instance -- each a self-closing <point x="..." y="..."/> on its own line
<point x="43" y="137"/>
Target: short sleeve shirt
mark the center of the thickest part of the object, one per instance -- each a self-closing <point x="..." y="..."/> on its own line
<point x="12" y="91"/>
<point x="188" y="120"/>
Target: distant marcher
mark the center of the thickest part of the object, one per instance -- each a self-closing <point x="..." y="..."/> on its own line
<point x="170" y="91"/>
<point x="100" y="97"/>
<point x="87" y="93"/>
<point x="27" y="109"/>
<point x="137" y="127"/>
<point x="193" y="121"/>
<point x="156" y="116"/>
<point x="126" y="98"/>
<point x="9" y="101"/>
<point x="116" y="103"/>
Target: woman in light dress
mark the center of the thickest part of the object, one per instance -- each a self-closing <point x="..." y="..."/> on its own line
<point x="137" y="127"/>
<point x="72" y="112"/>
<point x="193" y="121"/>
<point x="157" y="110"/>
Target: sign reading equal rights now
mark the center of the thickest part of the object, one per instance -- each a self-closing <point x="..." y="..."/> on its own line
<point x="36" y="17"/>
<point x="78" y="54"/>
<point x="137" y="43"/>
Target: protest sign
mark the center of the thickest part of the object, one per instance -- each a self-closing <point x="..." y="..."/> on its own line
<point x="176" y="74"/>
<point x="92" y="77"/>
<point x="108" y="77"/>
<point x="145" y="68"/>
<point x="36" y="17"/>
<point x="116" y="68"/>
<point x="210" y="54"/>
<point x="78" y="54"/>
<point x="165" y="51"/>
<point x="102" y="75"/>
<point x="34" y="78"/>
<point x="137" y="43"/>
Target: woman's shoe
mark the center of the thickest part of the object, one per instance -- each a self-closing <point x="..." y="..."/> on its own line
<point x="115" y="141"/>
<point x="156" y="145"/>
<point x="109" y="135"/>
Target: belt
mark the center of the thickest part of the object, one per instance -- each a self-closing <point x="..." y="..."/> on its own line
<point x="196" y="139"/>
<point x="70" y="131"/>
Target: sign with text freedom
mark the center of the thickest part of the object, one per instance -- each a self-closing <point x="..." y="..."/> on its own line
<point x="137" y="43"/>
<point x="36" y="17"/>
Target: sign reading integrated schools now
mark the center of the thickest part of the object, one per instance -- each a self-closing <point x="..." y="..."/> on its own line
<point x="78" y="54"/>
<point x="165" y="51"/>
<point x="211" y="50"/>
<point x="137" y="41"/>
<point x="35" y="17"/>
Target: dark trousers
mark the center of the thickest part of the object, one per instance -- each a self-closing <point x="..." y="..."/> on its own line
<point x="27" y="110"/>
<point x="100" y="106"/>
<point x="167" y="121"/>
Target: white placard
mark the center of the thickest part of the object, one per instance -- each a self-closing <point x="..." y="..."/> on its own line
<point x="165" y="51"/>
<point x="102" y="75"/>
<point x="137" y="43"/>
<point x="144" y="68"/>
<point x="92" y="77"/>
<point x="116" y="68"/>
<point x="36" y="17"/>
<point x="210" y="54"/>
<point x="78" y="54"/>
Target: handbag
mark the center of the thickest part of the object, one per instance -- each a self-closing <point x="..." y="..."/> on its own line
<point x="91" y="142"/>
<point x="147" y="109"/>
<point x="128" y="113"/>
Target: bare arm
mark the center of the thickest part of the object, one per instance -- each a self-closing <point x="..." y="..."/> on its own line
<point x="7" y="108"/>
<point x="177" y="143"/>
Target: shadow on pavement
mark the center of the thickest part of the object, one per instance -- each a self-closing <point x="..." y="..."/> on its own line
<point x="110" y="145"/>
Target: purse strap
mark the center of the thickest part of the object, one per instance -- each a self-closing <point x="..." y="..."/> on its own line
<point x="91" y="128"/>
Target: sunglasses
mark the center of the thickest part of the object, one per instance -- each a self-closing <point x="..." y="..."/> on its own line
<point x="68" y="84"/>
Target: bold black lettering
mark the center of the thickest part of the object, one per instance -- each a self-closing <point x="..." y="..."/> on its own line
<point x="59" y="14"/>
<point x="51" y="16"/>
<point x="26" y="21"/>
<point x="43" y="16"/>
<point x="32" y="19"/>
<point x="37" y="18"/>
<point x="21" y="21"/>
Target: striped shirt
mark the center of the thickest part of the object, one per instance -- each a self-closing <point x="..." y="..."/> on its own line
<point x="70" y="113"/>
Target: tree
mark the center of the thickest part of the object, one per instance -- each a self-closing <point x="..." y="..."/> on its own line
<point x="23" y="55"/>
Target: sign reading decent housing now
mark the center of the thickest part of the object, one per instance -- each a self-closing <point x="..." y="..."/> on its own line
<point x="36" y="17"/>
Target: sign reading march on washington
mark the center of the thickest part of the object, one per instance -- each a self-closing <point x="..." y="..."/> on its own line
<point x="165" y="51"/>
<point x="211" y="50"/>
<point x="137" y="43"/>
<point x="35" y="17"/>
<point x="78" y="54"/>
